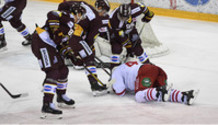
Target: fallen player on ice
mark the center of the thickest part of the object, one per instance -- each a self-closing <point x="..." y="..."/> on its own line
<point x="149" y="82"/>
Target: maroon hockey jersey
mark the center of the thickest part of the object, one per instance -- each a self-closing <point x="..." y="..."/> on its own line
<point x="92" y="24"/>
<point x="126" y="26"/>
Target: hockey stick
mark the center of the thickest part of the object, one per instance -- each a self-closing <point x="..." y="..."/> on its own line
<point x="14" y="96"/>
<point x="94" y="76"/>
<point x="75" y="59"/>
<point x="102" y="65"/>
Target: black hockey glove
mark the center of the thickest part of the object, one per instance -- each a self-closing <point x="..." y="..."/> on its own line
<point x="148" y="16"/>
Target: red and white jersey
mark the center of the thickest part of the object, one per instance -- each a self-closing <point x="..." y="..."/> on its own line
<point x="125" y="77"/>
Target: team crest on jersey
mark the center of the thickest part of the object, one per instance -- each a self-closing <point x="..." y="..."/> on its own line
<point x="146" y="82"/>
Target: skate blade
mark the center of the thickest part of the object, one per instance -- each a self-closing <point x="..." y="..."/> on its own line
<point x="63" y="105"/>
<point x="51" y="116"/>
<point x="26" y="43"/>
<point x="195" y="94"/>
<point x="99" y="93"/>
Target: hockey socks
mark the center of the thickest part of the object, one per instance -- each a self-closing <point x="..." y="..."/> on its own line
<point x="186" y="97"/>
<point x="154" y="94"/>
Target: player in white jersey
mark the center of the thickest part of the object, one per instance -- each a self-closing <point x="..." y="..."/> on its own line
<point x="149" y="82"/>
<point x="125" y="76"/>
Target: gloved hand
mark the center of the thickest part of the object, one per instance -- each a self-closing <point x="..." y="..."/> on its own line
<point x="77" y="61"/>
<point x="64" y="50"/>
<point x="148" y="16"/>
<point x="60" y="38"/>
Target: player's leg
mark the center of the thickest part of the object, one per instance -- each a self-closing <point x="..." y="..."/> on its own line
<point x="62" y="99"/>
<point x="96" y="87"/>
<point x="153" y="94"/>
<point x="87" y="55"/>
<point x="46" y="56"/>
<point x="2" y="36"/>
<point x="186" y="97"/>
<point x="137" y="48"/>
<point x="22" y="29"/>
<point x="49" y="85"/>
<point x="140" y="53"/>
<point x="116" y="49"/>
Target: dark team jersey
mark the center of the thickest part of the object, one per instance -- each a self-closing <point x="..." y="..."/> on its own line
<point x="126" y="26"/>
<point x="12" y="8"/>
<point x="92" y="24"/>
<point x="19" y="4"/>
<point x="59" y="24"/>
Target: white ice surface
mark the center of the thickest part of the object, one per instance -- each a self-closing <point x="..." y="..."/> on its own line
<point x="191" y="64"/>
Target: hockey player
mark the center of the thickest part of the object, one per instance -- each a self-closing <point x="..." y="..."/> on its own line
<point x="124" y="32"/>
<point x="84" y="45"/>
<point x="11" y="12"/>
<point x="50" y="46"/>
<point x="149" y="82"/>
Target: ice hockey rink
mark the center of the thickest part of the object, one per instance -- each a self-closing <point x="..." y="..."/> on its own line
<point x="191" y="64"/>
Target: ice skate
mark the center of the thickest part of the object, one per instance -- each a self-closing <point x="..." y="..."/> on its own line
<point x="98" y="90"/>
<point x="189" y="96"/>
<point x="163" y="92"/>
<point x="65" y="102"/>
<point x="48" y="110"/>
<point x="27" y="41"/>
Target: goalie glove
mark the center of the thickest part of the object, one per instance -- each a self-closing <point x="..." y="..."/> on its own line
<point x="148" y="16"/>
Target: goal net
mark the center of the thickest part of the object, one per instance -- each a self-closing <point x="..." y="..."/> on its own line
<point x="152" y="46"/>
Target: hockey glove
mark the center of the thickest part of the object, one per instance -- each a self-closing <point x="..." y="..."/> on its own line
<point x="64" y="50"/>
<point x="148" y="16"/>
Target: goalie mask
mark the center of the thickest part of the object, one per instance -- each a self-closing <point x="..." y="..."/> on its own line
<point x="124" y="12"/>
<point x="78" y="10"/>
<point x="102" y="5"/>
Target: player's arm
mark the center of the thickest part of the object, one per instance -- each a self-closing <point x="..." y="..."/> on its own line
<point x="140" y="8"/>
<point x="58" y="36"/>
<point x="93" y="32"/>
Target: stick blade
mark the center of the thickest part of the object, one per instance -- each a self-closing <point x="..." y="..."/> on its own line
<point x="20" y="95"/>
